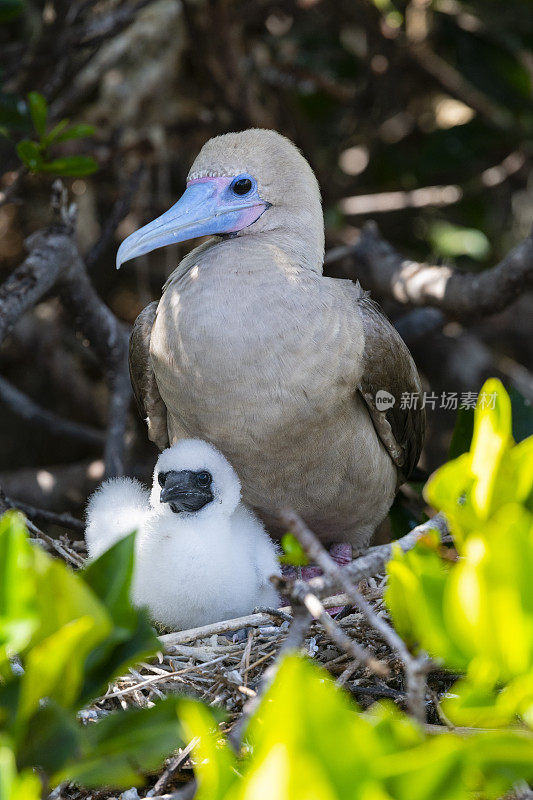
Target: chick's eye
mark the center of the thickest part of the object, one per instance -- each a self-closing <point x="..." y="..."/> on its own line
<point x="204" y="478"/>
<point x="242" y="186"/>
<point x="162" y="476"/>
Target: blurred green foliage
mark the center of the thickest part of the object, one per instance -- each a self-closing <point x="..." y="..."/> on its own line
<point x="476" y="614"/>
<point x="63" y="637"/>
<point x="293" y="552"/>
<point x="35" y="154"/>
<point x="308" y="740"/>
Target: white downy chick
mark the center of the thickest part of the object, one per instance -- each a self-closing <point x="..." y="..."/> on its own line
<point x="201" y="555"/>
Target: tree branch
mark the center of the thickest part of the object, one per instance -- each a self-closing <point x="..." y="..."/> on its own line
<point x="416" y="667"/>
<point x="54" y="262"/>
<point x="26" y="408"/>
<point x="459" y="295"/>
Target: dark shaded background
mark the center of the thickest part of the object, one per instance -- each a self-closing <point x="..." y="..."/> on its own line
<point x="383" y="98"/>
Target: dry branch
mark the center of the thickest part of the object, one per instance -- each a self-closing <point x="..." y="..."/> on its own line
<point x="55" y="263"/>
<point x="416" y="667"/>
<point x="26" y="408"/>
<point x="299" y="591"/>
<point x="168" y="640"/>
<point x="460" y="295"/>
<point x="373" y="562"/>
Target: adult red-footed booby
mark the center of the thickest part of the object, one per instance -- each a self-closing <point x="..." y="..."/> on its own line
<point x="253" y="349"/>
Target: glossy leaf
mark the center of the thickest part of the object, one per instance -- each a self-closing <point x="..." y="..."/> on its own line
<point x="30" y="154"/>
<point x="216" y="770"/>
<point x="132" y="637"/>
<point x="119" y="749"/>
<point x="80" y="131"/>
<point x="18" y="611"/>
<point x="71" y="166"/>
<point x="293" y="552"/>
<point x="16" y="786"/>
<point x="38" y="111"/>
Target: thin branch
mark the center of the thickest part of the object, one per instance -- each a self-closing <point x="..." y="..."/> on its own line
<point x="299" y="591"/>
<point x="54" y="262"/>
<point x="50" y="544"/>
<point x="375" y="560"/>
<point x="416" y="668"/>
<point x="26" y="408"/>
<point x="41" y="515"/>
<point x="227" y="626"/>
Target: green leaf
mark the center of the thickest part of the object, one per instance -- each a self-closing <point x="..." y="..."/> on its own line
<point x="451" y="241"/>
<point x="491" y="438"/>
<point x="132" y="637"/>
<point x="293" y="551"/>
<point x="119" y="749"/>
<point x="55" y="132"/>
<point x="80" y="131"/>
<point x="30" y="154"/>
<point x="10" y="9"/>
<point x="71" y="166"/>
<point x="51" y="740"/>
<point x="38" y="111"/>
<point x="462" y="432"/>
<point x="216" y="770"/>
<point x="54" y="668"/>
<point x="18" y="611"/>
<point x="13" y="786"/>
<point x="292" y="737"/>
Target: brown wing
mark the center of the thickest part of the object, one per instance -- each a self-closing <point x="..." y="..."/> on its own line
<point x="389" y="368"/>
<point x="149" y="402"/>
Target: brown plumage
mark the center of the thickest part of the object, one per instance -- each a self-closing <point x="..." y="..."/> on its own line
<point x="253" y="349"/>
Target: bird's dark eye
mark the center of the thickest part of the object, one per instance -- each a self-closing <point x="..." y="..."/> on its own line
<point x="204" y="478"/>
<point x="242" y="186"/>
<point x="162" y="476"/>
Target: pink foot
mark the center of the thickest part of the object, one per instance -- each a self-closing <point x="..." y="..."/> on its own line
<point x="340" y="552"/>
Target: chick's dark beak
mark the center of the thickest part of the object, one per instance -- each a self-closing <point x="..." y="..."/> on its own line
<point x="181" y="490"/>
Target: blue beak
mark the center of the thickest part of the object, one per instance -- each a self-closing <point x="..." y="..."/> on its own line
<point x="204" y="209"/>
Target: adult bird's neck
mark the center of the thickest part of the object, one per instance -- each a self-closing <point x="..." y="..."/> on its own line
<point x="295" y="242"/>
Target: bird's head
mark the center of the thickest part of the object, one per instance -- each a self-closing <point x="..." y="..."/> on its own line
<point x="240" y="183"/>
<point x="193" y="477"/>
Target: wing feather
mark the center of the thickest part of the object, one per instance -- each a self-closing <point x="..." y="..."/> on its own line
<point x="149" y="402"/>
<point x="389" y="367"/>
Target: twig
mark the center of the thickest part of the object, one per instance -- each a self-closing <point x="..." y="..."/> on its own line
<point x="26" y="408"/>
<point x="299" y="591"/>
<point x="48" y="542"/>
<point x="64" y="520"/>
<point x="374" y="561"/>
<point x="295" y="637"/>
<point x="458" y="295"/>
<point x="227" y="626"/>
<point x="416" y="667"/>
<point x="273" y="612"/>
<point x="167" y="775"/>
